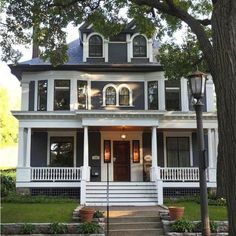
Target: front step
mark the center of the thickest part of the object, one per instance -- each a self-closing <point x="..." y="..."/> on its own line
<point x="137" y="225"/>
<point x="121" y="194"/>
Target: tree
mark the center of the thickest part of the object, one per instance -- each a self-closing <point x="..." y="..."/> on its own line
<point x="211" y="25"/>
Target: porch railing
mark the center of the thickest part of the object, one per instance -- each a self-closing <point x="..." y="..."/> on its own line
<point x="179" y="174"/>
<point x="55" y="174"/>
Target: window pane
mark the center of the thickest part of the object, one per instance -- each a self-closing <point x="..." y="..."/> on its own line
<point x="110" y="96"/>
<point x="153" y="95"/>
<point x="139" y="46"/>
<point x="61" y="151"/>
<point x="178" y="151"/>
<point x="42" y="95"/>
<point x="173" y="102"/>
<point x="62" y="95"/>
<point x="95" y="46"/>
<point x="124" y="97"/>
<point x="82" y="94"/>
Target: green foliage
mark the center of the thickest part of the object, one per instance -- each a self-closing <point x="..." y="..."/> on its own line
<point x="98" y="214"/>
<point x="7" y="184"/>
<point x="18" y="198"/>
<point x="89" y="228"/>
<point x="27" y="229"/>
<point x="182" y="226"/>
<point x="8" y="124"/>
<point x="58" y="228"/>
<point x="213" y="227"/>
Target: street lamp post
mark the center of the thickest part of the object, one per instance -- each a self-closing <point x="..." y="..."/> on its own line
<point x="197" y="83"/>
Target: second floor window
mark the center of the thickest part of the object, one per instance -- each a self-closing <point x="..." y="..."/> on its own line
<point x="139" y="46"/>
<point x="95" y="46"/>
<point x="110" y="96"/>
<point x="124" y="96"/>
<point x="153" y="95"/>
<point x="173" y="96"/>
<point x="82" y="94"/>
<point x="62" y="95"/>
<point x="42" y="95"/>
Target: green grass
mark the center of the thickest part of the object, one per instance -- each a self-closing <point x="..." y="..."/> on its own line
<point x="192" y="210"/>
<point x="37" y="212"/>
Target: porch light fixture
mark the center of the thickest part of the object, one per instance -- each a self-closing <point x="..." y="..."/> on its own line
<point x="123" y="135"/>
<point x="197" y="83"/>
<point x="107" y="151"/>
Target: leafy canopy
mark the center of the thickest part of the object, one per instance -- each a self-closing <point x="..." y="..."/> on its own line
<point x="45" y="21"/>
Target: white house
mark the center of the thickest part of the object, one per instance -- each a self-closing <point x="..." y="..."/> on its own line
<point x="110" y="112"/>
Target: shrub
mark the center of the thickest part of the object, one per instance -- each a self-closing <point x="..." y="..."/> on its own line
<point x="89" y="228"/>
<point x="98" y="214"/>
<point x="217" y="202"/>
<point x="182" y="226"/>
<point x="7" y="184"/>
<point x="58" y="228"/>
<point x="213" y="227"/>
<point x="27" y="229"/>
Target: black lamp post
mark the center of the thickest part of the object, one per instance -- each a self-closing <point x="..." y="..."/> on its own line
<point x="197" y="83"/>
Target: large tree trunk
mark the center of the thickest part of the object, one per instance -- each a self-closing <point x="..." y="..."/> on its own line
<point x="224" y="76"/>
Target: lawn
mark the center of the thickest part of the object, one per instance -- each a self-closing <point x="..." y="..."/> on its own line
<point x="192" y="210"/>
<point x="37" y="212"/>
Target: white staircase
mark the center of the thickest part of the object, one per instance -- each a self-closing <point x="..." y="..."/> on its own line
<point x="121" y="194"/>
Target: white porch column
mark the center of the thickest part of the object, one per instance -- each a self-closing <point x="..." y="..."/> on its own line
<point x="210" y="148"/>
<point x="50" y="95"/>
<point x="28" y="148"/>
<point x="145" y="95"/>
<point x="73" y="95"/>
<point x="154" y="154"/>
<point x="25" y="96"/>
<point x="21" y="148"/>
<point x="85" y="157"/>
<point x="89" y="94"/>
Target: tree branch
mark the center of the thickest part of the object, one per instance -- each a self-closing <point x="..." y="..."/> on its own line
<point x="170" y="8"/>
<point x="205" y="22"/>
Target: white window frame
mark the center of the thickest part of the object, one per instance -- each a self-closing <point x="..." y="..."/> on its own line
<point x="103" y="45"/>
<point x="117" y="89"/>
<point x="178" y="134"/>
<point x="61" y="134"/>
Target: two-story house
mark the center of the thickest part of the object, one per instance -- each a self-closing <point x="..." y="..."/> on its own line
<point x="109" y="112"/>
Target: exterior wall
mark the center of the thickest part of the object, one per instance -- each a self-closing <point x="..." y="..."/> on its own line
<point x="31" y="95"/>
<point x="117" y="52"/>
<point x="79" y="148"/>
<point x="137" y="94"/>
<point x="95" y="155"/>
<point x="39" y="149"/>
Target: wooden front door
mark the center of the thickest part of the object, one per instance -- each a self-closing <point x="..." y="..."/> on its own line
<point x="121" y="160"/>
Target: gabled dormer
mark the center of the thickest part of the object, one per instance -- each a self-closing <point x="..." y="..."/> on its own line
<point x="129" y="46"/>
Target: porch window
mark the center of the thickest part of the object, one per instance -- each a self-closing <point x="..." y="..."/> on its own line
<point x="61" y="151"/>
<point x="173" y="95"/>
<point x="42" y="95"/>
<point x="62" y="95"/>
<point x="95" y="46"/>
<point x="124" y="97"/>
<point x="139" y="46"/>
<point x="110" y="96"/>
<point x="178" y="151"/>
<point x="82" y="94"/>
<point x="153" y="95"/>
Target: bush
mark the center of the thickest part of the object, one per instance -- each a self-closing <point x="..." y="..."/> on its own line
<point x="7" y="184"/>
<point x="58" y="228"/>
<point x="89" y="228"/>
<point x="213" y="227"/>
<point x="27" y="229"/>
<point x="98" y="214"/>
<point x="182" y="226"/>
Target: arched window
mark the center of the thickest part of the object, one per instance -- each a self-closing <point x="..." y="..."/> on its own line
<point x="110" y="96"/>
<point x="95" y="46"/>
<point x="124" y="97"/>
<point x="139" y="46"/>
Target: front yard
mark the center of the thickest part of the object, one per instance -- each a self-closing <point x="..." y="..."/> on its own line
<point x="37" y="212"/>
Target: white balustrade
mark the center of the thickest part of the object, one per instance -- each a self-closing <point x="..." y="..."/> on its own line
<point x="55" y="174"/>
<point x="180" y="174"/>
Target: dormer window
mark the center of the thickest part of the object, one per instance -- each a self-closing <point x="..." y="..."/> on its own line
<point x="139" y="46"/>
<point x="124" y="97"/>
<point x="110" y="96"/>
<point x="95" y="46"/>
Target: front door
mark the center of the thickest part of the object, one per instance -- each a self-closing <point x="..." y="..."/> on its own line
<point x="121" y="160"/>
